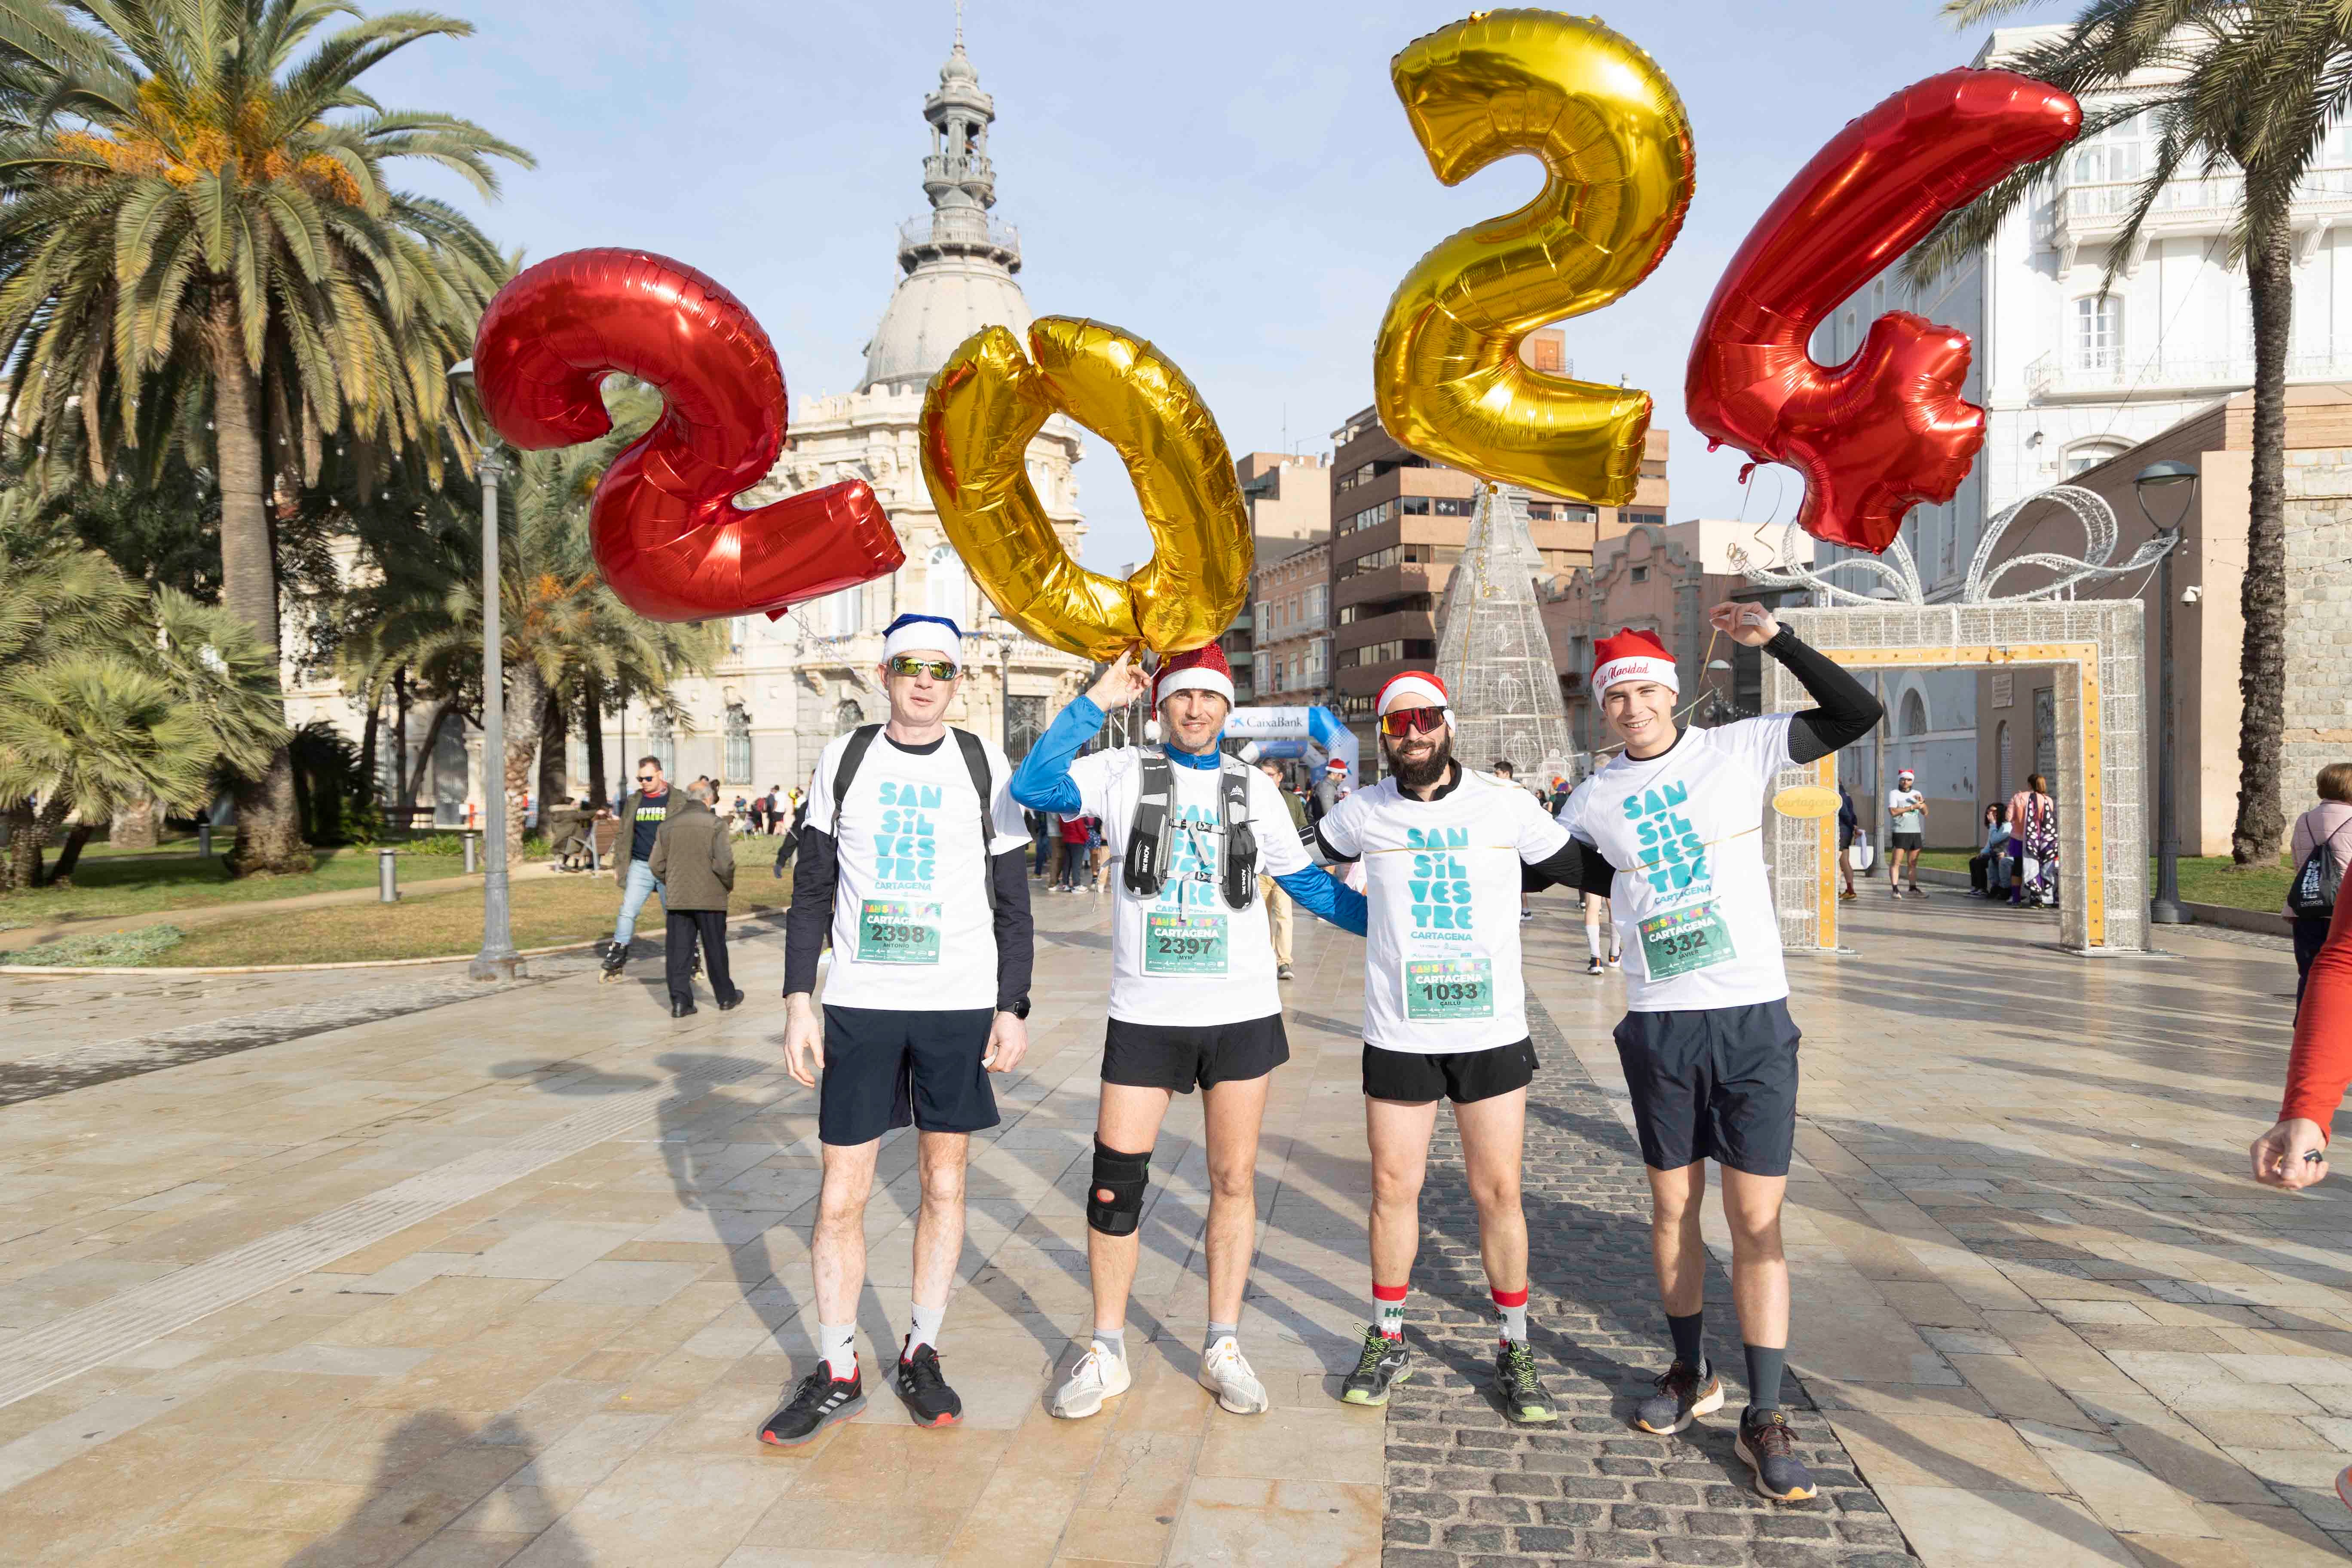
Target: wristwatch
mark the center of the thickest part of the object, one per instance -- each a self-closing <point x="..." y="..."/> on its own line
<point x="1020" y="1008"/>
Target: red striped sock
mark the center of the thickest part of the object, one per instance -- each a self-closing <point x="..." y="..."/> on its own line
<point x="1513" y="1305"/>
<point x="1388" y="1309"/>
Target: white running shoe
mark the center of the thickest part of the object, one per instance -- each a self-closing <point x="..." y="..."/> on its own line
<point x="1096" y="1378"/>
<point x="1225" y="1373"/>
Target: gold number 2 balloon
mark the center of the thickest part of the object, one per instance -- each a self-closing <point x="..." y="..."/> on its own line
<point x="1616" y="144"/>
<point x="979" y="414"/>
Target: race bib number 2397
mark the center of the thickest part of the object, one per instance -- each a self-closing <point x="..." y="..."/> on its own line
<point x="1183" y="943"/>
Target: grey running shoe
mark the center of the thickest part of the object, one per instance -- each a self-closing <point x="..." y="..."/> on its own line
<point x="1382" y="1367"/>
<point x="1525" y="1398"/>
<point x="1769" y="1447"/>
<point x="1684" y="1395"/>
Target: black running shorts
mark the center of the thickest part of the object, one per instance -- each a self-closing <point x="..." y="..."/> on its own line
<point x="1176" y="1057"/>
<point x="1717" y="1083"/>
<point x="1910" y="841"/>
<point x="1418" y="1078"/>
<point x="885" y="1068"/>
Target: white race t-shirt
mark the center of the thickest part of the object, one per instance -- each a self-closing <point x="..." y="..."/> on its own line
<point x="912" y="931"/>
<point x="1684" y="829"/>
<point x="1441" y="960"/>
<point x="1903" y="811"/>
<point x="1186" y="957"/>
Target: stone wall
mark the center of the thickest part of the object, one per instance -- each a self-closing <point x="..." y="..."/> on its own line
<point x="2318" y="727"/>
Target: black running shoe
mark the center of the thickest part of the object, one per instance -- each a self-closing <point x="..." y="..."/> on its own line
<point x="928" y="1398"/>
<point x="821" y="1400"/>
<point x="1684" y="1395"/>
<point x="1525" y="1399"/>
<point x="1769" y="1445"/>
<point x="1382" y="1367"/>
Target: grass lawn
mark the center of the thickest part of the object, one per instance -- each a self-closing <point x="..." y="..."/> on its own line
<point x="2204" y="880"/>
<point x="124" y="885"/>
<point x="546" y="912"/>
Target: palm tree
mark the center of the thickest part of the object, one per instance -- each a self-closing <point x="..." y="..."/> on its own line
<point x="2251" y="87"/>
<point x="197" y="247"/>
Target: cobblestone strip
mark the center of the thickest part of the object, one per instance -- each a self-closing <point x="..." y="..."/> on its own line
<point x="84" y="1066"/>
<point x="1466" y="1487"/>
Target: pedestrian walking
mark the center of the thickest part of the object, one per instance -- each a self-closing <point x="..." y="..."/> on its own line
<point x="1906" y="816"/>
<point x="1076" y="837"/>
<point x="1849" y="823"/>
<point x="1278" y="907"/>
<point x="1595" y="905"/>
<point x="1193" y="998"/>
<point x="1442" y="850"/>
<point x="695" y="864"/>
<point x="910" y="862"/>
<point x="2318" y="851"/>
<point x="1989" y="868"/>
<point x="641" y="812"/>
<point x="1329" y="790"/>
<point x="2033" y="818"/>
<point x="779" y="808"/>
<point x="1707" y="1045"/>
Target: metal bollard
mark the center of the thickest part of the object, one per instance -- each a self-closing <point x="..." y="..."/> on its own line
<point x="387" y="876"/>
<point x="473" y="853"/>
<point x="204" y="838"/>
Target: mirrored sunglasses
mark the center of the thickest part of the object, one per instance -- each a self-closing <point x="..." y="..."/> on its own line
<point x="1412" y="720"/>
<point x="936" y="668"/>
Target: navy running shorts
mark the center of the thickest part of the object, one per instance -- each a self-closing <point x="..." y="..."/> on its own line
<point x="1716" y="1083"/>
<point x="885" y="1068"/>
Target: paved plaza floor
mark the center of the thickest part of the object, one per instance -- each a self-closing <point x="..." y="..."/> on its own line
<point x="372" y="1269"/>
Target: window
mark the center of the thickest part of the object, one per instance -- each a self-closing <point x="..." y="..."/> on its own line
<point x="1453" y="506"/>
<point x="946" y="588"/>
<point x="663" y="742"/>
<point x="1412" y="505"/>
<point x="737" y="751"/>
<point x="1641" y="574"/>
<point x="1318" y="654"/>
<point x="845" y="613"/>
<point x="1915" y="714"/>
<point x="1657" y="518"/>
<point x="2087" y="455"/>
<point x="1370" y="517"/>
<point x="1387" y="652"/>
<point x="1264" y="623"/>
<point x="2098" y="333"/>
<point x="1317" y="597"/>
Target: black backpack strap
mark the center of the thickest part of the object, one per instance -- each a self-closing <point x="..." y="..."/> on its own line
<point x="975" y="762"/>
<point x="861" y="741"/>
<point x="1238" y="871"/>
<point x="1153" y="826"/>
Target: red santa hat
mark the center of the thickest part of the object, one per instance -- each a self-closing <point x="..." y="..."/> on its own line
<point x="1195" y="669"/>
<point x="1632" y="656"/>
<point x="1414" y="688"/>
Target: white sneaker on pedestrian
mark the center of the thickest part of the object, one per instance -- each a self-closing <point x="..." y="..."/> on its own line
<point x="1225" y="1373"/>
<point x="1096" y="1378"/>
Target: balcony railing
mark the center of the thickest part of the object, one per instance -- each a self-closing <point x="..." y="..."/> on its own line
<point x="2079" y="375"/>
<point x="2094" y="212"/>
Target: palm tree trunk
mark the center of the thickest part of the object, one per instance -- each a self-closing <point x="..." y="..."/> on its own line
<point x="22" y="867"/>
<point x="46" y="823"/>
<point x="374" y="695"/>
<point x="400" y="736"/>
<point x="69" y="857"/>
<point x="554" y="741"/>
<point x="592" y="731"/>
<point x="2261" y="596"/>
<point x="526" y="710"/>
<point x="268" y="822"/>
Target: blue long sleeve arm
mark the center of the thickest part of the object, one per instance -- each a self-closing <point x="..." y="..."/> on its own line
<point x="1043" y="781"/>
<point x="1320" y="893"/>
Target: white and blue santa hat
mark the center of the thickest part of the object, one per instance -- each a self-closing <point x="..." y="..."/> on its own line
<point x="922" y="634"/>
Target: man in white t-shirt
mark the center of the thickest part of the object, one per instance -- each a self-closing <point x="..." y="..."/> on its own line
<point x="912" y="865"/>
<point x="1193" y="998"/>
<point x="1444" y="1013"/>
<point x="1907" y="822"/>
<point x="1708" y="1046"/>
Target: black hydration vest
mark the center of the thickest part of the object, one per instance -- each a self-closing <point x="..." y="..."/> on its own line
<point x="1148" y="835"/>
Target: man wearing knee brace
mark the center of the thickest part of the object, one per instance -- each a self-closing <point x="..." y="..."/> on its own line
<point x="1193" y="1001"/>
<point x="912" y="861"/>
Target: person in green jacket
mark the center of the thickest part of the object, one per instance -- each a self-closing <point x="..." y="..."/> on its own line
<point x="1279" y="906"/>
<point x="695" y="865"/>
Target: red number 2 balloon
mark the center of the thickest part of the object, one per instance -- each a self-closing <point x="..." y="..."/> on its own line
<point x="1888" y="428"/>
<point x="666" y="533"/>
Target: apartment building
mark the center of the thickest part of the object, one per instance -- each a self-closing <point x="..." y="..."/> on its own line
<point x="1291" y="613"/>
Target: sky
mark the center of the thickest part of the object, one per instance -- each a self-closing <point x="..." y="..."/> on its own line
<point x="1236" y="182"/>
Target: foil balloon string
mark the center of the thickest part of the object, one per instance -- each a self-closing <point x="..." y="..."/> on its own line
<point x="1887" y="429"/>
<point x="1615" y="142"/>
<point x="980" y="412"/>
<point x="663" y="527"/>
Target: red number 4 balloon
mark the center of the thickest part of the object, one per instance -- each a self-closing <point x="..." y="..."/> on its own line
<point x="1887" y="429"/>
<point x="664" y="525"/>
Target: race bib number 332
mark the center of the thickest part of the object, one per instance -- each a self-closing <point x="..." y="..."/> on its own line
<point x="1183" y="945"/>
<point x="895" y="930"/>
<point x="1681" y="941"/>
<point x="1443" y="989"/>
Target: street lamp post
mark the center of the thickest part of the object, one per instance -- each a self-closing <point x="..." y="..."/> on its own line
<point x="1001" y="630"/>
<point x="497" y="959"/>
<point x="2164" y="479"/>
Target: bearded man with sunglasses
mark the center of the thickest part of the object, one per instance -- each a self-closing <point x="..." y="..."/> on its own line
<point x="1446" y="853"/>
<point x="1194" y="997"/>
<point x="1708" y="1047"/>
<point x="912" y="861"/>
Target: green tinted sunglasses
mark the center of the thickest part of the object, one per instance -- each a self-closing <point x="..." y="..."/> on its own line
<point x="936" y="668"/>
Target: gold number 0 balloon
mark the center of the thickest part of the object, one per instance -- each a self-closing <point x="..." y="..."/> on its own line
<point x="980" y="412"/>
<point x="1616" y="142"/>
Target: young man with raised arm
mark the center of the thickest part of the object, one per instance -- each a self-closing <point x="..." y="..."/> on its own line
<point x="1708" y="1047"/>
<point x="911" y="861"/>
<point x="1445" y="1012"/>
<point x="1194" y="997"/>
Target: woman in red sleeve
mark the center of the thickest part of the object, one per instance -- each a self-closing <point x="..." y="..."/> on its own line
<point x="2293" y="1154"/>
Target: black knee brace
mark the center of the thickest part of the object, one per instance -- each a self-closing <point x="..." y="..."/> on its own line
<point x="1123" y="1176"/>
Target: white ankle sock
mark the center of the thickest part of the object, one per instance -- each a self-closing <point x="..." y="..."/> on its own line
<point x="926" y="1328"/>
<point x="1592" y="940"/>
<point x="837" y="1343"/>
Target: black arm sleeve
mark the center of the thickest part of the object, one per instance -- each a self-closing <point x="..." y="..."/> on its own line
<point x="810" y="918"/>
<point x="1016" y="941"/>
<point x="1845" y="711"/>
<point x="1578" y="865"/>
<point x="1328" y="853"/>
